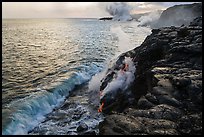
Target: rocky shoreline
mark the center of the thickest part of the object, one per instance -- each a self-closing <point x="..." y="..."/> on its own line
<point x="167" y="90"/>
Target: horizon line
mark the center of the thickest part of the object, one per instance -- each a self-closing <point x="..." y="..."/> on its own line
<point x="57" y="18"/>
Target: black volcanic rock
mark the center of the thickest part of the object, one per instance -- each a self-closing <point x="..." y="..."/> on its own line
<point x="82" y="127"/>
<point x="106" y="18"/>
<point x="197" y="22"/>
<point x="168" y="86"/>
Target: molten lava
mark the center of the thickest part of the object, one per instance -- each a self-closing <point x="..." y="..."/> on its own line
<point x="101" y="107"/>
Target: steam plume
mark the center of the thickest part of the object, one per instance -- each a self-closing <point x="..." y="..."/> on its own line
<point x="150" y="18"/>
<point x="121" y="82"/>
<point x="119" y="10"/>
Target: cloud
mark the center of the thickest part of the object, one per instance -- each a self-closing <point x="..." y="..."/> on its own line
<point x="141" y="7"/>
<point x="51" y="9"/>
<point x="72" y="9"/>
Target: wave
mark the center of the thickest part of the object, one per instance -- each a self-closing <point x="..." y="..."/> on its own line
<point x="31" y="110"/>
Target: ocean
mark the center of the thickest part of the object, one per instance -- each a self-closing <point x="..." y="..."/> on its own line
<point x="48" y="64"/>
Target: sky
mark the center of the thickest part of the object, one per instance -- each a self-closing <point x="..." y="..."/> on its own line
<point x="74" y="9"/>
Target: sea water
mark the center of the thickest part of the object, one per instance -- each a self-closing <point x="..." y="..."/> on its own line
<point x="44" y="60"/>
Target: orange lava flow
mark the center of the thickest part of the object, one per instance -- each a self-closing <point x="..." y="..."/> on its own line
<point x="126" y="67"/>
<point x="101" y="107"/>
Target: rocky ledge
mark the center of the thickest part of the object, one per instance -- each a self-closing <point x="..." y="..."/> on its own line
<point x="168" y="86"/>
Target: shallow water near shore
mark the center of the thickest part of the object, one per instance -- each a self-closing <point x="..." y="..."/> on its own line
<point x="46" y="67"/>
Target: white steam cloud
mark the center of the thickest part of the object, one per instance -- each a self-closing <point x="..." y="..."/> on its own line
<point x="119" y="10"/>
<point x="95" y="82"/>
<point x="150" y="18"/>
<point x="122" y="80"/>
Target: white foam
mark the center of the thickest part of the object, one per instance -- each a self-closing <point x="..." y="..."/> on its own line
<point x="31" y="110"/>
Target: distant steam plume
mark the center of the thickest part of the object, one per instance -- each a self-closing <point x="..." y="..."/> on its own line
<point x="119" y="10"/>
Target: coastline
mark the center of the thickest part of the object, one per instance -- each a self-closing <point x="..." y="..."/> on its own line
<point x="167" y="88"/>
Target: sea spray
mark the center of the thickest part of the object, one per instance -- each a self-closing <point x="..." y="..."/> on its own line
<point x="95" y="82"/>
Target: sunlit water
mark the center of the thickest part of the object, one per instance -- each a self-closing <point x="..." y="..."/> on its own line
<point x="43" y="60"/>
